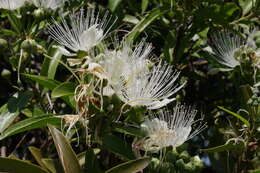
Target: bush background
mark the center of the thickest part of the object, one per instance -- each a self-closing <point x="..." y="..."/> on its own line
<point x="180" y="31"/>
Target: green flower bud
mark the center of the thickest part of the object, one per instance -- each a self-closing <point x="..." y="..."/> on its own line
<point x="29" y="45"/>
<point x="3" y="44"/>
<point x="6" y="73"/>
<point x="39" y="13"/>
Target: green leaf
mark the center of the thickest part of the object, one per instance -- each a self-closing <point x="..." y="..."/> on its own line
<point x="128" y="129"/>
<point x="24" y="98"/>
<point x="66" y="154"/>
<point x="246" y="5"/>
<point x="145" y="22"/>
<point x="54" y="64"/>
<point x="18" y="102"/>
<point x="144" y="5"/>
<point x="235" y="115"/>
<point x="132" y="166"/>
<point x="37" y="155"/>
<point x="225" y="147"/>
<point x="53" y="165"/>
<point x="91" y="163"/>
<point x="64" y="89"/>
<point x="29" y="124"/>
<point x="14" y="21"/>
<point x="44" y="81"/>
<point x="113" y="4"/>
<point x="118" y="146"/>
<point x="6" y="117"/>
<point x="254" y="171"/>
<point x="19" y="166"/>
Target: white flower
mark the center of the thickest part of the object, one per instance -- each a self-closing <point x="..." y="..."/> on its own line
<point x="168" y="128"/>
<point x="152" y="89"/>
<point x="134" y="83"/>
<point x="124" y="62"/>
<point x="84" y="32"/>
<point x="224" y="45"/>
<point x="11" y="4"/>
<point x="52" y="4"/>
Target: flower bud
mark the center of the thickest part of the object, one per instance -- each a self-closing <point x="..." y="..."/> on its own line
<point x="3" y="44"/>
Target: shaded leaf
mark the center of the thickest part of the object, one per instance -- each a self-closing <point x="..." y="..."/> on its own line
<point x="91" y="163"/>
<point x="132" y="166"/>
<point x="225" y="147"/>
<point x="235" y="115"/>
<point x="42" y="80"/>
<point x="113" y="4"/>
<point x="18" y="166"/>
<point x="118" y="146"/>
<point x="37" y="155"/>
<point x="67" y="156"/>
<point x="64" y="89"/>
<point x="128" y="129"/>
<point x="53" y="165"/>
<point x="145" y="22"/>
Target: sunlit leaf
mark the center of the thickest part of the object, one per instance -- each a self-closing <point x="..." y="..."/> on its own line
<point x="29" y="124"/>
<point x="6" y="117"/>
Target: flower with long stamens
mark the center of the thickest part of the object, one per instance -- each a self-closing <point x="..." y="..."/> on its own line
<point x="11" y="4"/>
<point x="84" y="31"/>
<point x="52" y="4"/>
<point x="224" y="45"/>
<point x="152" y="89"/>
<point x="133" y="81"/>
<point x="171" y="128"/>
<point x="122" y="63"/>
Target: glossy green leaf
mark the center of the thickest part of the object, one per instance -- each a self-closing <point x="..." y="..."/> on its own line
<point x="19" y="166"/>
<point x="235" y="115"/>
<point x="132" y="166"/>
<point x="113" y="4"/>
<point x="144" y="5"/>
<point x="64" y="89"/>
<point x="67" y="156"/>
<point x="29" y="124"/>
<point x="6" y="117"/>
<point x="118" y="146"/>
<point x="53" y="165"/>
<point x="42" y="80"/>
<point x="145" y="22"/>
<point x="225" y="147"/>
<point x="54" y="64"/>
